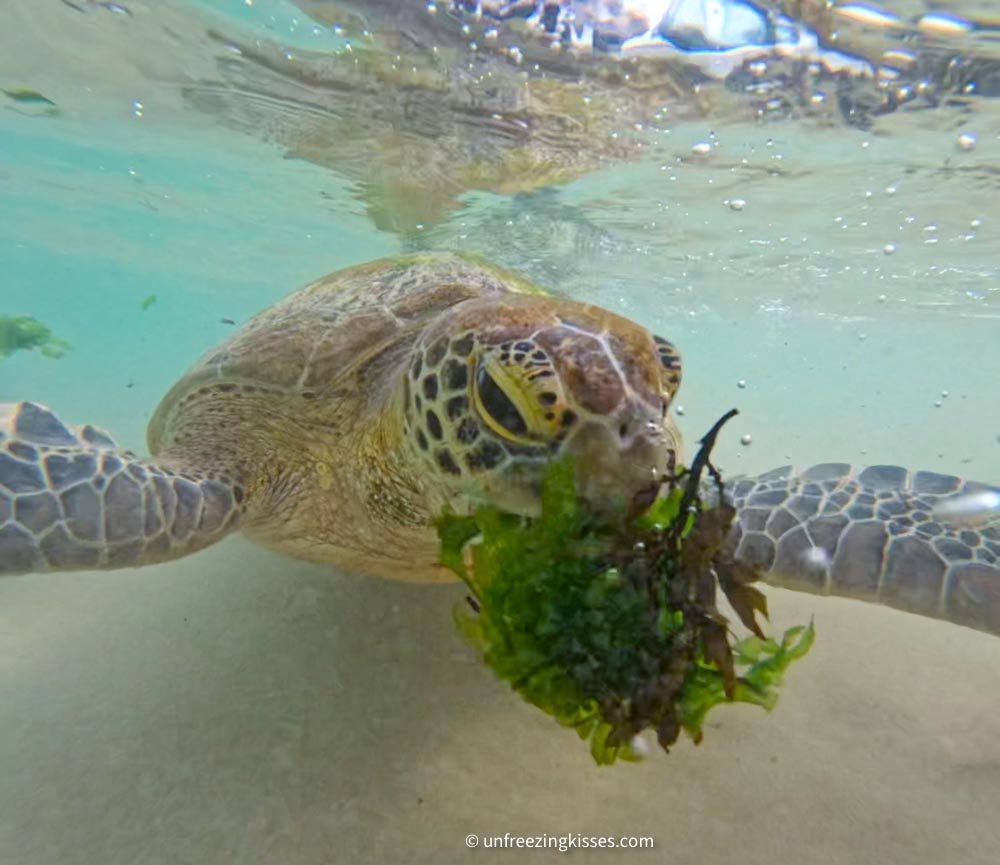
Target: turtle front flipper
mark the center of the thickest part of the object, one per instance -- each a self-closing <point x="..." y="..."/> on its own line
<point x="923" y="542"/>
<point x="70" y="499"/>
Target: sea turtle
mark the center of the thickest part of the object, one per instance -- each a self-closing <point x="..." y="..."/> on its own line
<point x="334" y="425"/>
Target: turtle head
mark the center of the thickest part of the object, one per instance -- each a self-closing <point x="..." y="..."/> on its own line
<point x="498" y="387"/>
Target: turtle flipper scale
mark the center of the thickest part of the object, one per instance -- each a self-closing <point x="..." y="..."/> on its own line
<point x="70" y="499"/>
<point x="923" y="542"/>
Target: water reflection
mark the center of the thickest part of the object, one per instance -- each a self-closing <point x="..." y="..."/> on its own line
<point x="419" y="104"/>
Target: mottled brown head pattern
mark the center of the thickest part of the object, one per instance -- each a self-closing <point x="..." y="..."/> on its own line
<point x="496" y="386"/>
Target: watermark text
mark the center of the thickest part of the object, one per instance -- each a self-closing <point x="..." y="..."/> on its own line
<point x="562" y="843"/>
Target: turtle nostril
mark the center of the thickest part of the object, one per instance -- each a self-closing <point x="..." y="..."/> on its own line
<point x="623" y="430"/>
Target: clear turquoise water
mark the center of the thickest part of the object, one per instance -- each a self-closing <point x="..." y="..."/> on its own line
<point x="239" y="707"/>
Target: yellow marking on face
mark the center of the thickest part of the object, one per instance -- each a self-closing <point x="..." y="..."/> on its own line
<point x="518" y="391"/>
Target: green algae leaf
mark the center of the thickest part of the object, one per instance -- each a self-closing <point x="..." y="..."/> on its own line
<point x="757" y="684"/>
<point x="662" y="512"/>
<point x="30" y="102"/>
<point x="24" y="333"/>
<point x="595" y="625"/>
<point x="27" y="95"/>
<point x="454" y="533"/>
<point x="766" y="672"/>
<point x="147" y="302"/>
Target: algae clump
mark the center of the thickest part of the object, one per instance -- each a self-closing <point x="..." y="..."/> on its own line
<point x="22" y="332"/>
<point x="613" y="629"/>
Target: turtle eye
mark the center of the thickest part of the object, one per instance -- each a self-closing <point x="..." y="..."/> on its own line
<point x="497" y="406"/>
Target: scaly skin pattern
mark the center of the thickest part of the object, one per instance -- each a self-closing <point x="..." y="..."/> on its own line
<point x="335" y="425"/>
<point x="71" y="499"/>
<point x="879" y="534"/>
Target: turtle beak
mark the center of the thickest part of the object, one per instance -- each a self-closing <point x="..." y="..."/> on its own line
<point x="613" y="465"/>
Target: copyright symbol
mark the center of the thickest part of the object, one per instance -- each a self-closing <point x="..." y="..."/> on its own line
<point x="471" y="841"/>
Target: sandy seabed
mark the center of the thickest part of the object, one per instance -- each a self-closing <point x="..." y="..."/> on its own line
<point x="243" y="708"/>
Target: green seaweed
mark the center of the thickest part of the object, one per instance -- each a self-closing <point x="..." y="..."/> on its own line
<point x="22" y="332"/>
<point x="613" y="629"/>
<point x="147" y="302"/>
<point x="30" y="102"/>
<point x="26" y="95"/>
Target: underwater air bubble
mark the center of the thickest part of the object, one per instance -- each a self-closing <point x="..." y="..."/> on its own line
<point x="967" y="141"/>
<point x="817" y="557"/>
<point x="969" y="508"/>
